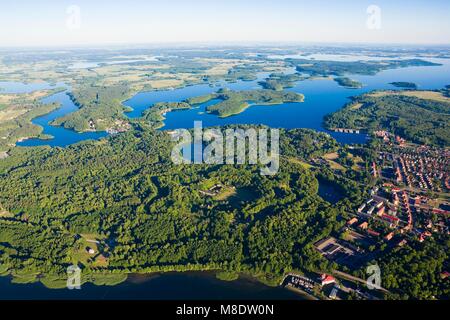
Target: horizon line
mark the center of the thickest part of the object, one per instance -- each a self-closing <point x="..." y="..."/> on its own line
<point x="220" y="44"/>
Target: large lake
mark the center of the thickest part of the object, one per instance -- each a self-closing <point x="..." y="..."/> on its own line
<point x="62" y="137"/>
<point x="321" y="97"/>
<point x="169" y="286"/>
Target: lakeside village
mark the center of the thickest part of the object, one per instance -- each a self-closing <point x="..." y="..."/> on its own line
<point x="410" y="202"/>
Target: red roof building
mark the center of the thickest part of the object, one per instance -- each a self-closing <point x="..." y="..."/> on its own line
<point x="363" y="226"/>
<point x="352" y="221"/>
<point x="373" y="233"/>
<point x="440" y="211"/>
<point x="381" y="211"/>
<point x="391" y="219"/>
<point x="389" y="236"/>
<point x="326" y="279"/>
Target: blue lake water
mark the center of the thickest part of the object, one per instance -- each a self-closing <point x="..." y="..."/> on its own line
<point x="83" y="64"/>
<point x="321" y="98"/>
<point x="61" y="137"/>
<point x="169" y="286"/>
<point x="144" y="100"/>
<point x="20" y="87"/>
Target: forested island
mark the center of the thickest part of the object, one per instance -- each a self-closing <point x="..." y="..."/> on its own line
<point x="405" y="85"/>
<point x="348" y="83"/>
<point x="228" y="103"/>
<point x="281" y="81"/>
<point x="235" y="102"/>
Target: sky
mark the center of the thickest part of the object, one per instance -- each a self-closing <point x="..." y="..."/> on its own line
<point x="99" y="22"/>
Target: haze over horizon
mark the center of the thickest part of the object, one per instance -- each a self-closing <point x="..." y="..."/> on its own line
<point x="82" y="22"/>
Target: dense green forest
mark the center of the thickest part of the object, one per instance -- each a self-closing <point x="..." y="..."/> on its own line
<point x="123" y="196"/>
<point x="100" y="104"/>
<point x="149" y="214"/>
<point x="423" y="121"/>
<point x="414" y="271"/>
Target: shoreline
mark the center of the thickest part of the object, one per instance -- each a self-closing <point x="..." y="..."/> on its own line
<point x="146" y="286"/>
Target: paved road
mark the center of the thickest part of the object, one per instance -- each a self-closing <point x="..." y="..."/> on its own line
<point x="353" y="278"/>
